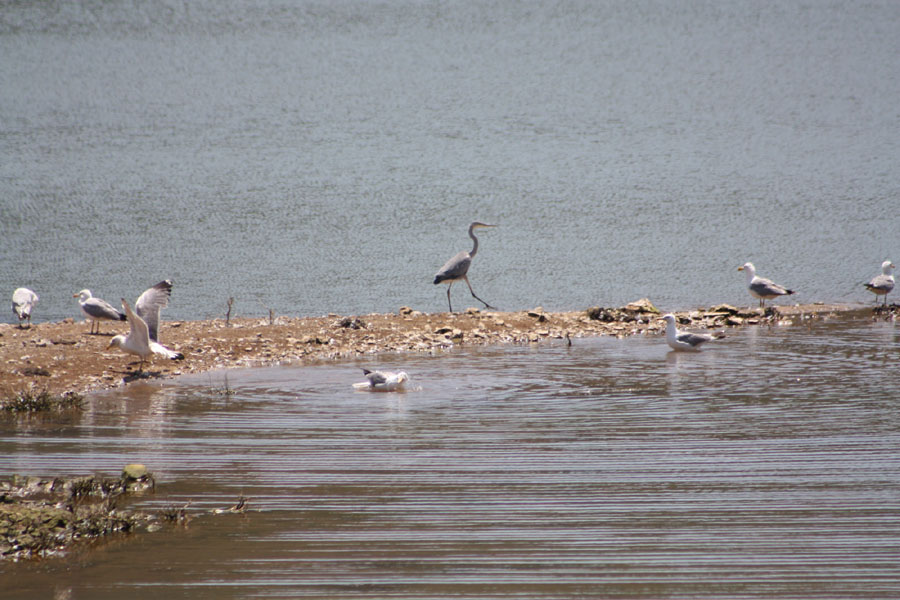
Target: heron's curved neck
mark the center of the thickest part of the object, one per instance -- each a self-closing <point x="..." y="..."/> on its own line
<point x="474" y="239"/>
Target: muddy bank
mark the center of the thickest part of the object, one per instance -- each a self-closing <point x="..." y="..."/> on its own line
<point x="42" y="517"/>
<point x="63" y="357"/>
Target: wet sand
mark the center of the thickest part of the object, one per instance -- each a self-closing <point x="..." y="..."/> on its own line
<point x="63" y="357"/>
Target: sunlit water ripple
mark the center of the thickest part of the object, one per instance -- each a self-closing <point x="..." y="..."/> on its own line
<point x="766" y="466"/>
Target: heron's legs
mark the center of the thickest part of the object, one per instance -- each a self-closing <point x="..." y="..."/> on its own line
<point x="450" y="304"/>
<point x="486" y="305"/>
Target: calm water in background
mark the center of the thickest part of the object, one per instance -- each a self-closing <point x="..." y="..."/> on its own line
<point x="765" y="467"/>
<point x="318" y="157"/>
<point x="327" y="157"/>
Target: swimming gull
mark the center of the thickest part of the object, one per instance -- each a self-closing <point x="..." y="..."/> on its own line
<point x="23" y="300"/>
<point x="139" y="340"/>
<point x="382" y="381"/>
<point x="684" y="340"/>
<point x="96" y="309"/>
<point x="764" y="289"/>
<point x="881" y="285"/>
<point x="458" y="267"/>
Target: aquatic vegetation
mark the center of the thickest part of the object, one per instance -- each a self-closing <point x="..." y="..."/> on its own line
<point x="31" y="401"/>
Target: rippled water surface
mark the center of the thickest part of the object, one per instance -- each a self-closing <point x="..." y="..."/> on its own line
<point x="767" y="466"/>
<point x="327" y="155"/>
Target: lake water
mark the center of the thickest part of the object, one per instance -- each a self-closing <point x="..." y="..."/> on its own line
<point x="767" y="466"/>
<point x="327" y="156"/>
<point x="316" y="157"/>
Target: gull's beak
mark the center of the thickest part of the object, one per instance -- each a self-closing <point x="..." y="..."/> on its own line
<point x="740" y="268"/>
<point x="74" y="295"/>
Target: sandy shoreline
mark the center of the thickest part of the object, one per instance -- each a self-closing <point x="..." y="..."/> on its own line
<point x="63" y="357"/>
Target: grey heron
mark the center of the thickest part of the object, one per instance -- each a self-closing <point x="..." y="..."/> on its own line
<point x="458" y="267"/>
<point x="97" y="310"/>
<point x="881" y="285"/>
<point x="764" y="289"/>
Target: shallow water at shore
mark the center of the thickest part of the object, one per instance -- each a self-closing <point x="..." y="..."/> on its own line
<point x="766" y="466"/>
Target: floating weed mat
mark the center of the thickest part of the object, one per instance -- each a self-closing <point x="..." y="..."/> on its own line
<point x="31" y="401"/>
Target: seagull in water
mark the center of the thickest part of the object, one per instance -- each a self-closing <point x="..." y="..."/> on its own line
<point x="23" y="300"/>
<point x="143" y="339"/>
<point x="97" y="310"/>
<point x="881" y="285"/>
<point x="764" y="289"/>
<point x="684" y="340"/>
<point x="457" y="267"/>
<point x="382" y="381"/>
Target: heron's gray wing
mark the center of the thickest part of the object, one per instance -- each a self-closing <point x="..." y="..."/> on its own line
<point x="881" y="283"/>
<point x="454" y="268"/>
<point x="101" y="309"/>
<point x="694" y="339"/>
<point x="150" y="303"/>
<point x="767" y="287"/>
<point x="375" y="377"/>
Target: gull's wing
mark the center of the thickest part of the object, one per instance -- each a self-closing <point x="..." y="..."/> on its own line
<point x="881" y="282"/>
<point x="101" y="309"/>
<point x="139" y="334"/>
<point x="767" y="287"/>
<point x="694" y="339"/>
<point x="150" y="303"/>
<point x="375" y="377"/>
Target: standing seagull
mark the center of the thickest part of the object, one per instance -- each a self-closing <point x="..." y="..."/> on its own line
<point x="881" y="285"/>
<point x="97" y="310"/>
<point x="684" y="340"/>
<point x="764" y="289"/>
<point x="457" y="267"/>
<point x="142" y="339"/>
<point x="23" y="301"/>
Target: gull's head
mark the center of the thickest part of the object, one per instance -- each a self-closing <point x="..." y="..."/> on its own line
<point x="886" y="267"/>
<point x="749" y="268"/>
<point x="116" y="342"/>
<point x="83" y="295"/>
<point x="402" y="377"/>
<point x="669" y="319"/>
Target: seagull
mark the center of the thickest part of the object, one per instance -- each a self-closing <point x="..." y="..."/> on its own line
<point x="881" y="285"/>
<point x="458" y="267"/>
<point x="97" y="310"/>
<point x="684" y="340"/>
<point x="764" y="289"/>
<point x="23" y="300"/>
<point x="382" y="381"/>
<point x="142" y="339"/>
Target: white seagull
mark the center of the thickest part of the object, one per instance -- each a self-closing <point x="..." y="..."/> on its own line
<point x="97" y="310"/>
<point x="764" y="289"/>
<point x="382" y="381"/>
<point x="881" y="285"/>
<point x="143" y="338"/>
<point x="684" y="340"/>
<point x="23" y="300"/>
